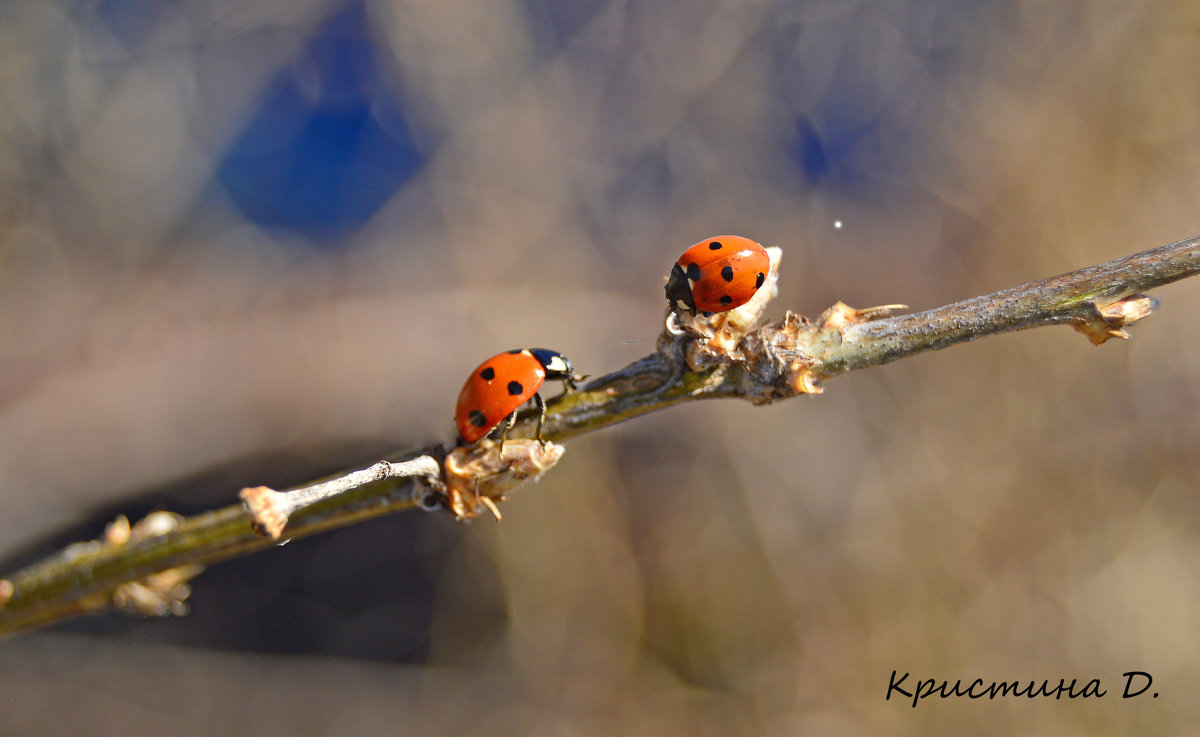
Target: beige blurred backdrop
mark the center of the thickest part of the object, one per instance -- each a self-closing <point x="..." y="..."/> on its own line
<point x="1023" y="507"/>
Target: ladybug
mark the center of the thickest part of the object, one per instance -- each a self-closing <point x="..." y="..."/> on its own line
<point x="717" y="274"/>
<point x="496" y="389"/>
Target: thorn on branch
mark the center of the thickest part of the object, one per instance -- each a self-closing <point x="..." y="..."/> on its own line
<point x="841" y="315"/>
<point x="1109" y="321"/>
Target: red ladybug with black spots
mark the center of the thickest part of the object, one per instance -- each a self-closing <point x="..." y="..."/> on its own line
<point x="496" y="389"/>
<point x="717" y="274"/>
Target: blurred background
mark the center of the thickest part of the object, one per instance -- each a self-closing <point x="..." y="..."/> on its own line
<point x="254" y="242"/>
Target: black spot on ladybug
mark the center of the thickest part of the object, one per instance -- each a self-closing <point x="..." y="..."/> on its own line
<point x="726" y="299"/>
<point x="727" y="273"/>
<point x="477" y="419"/>
<point x="515" y="388"/>
<point x="759" y="281"/>
<point x="488" y="374"/>
<point x="693" y="272"/>
<point x="715" y="246"/>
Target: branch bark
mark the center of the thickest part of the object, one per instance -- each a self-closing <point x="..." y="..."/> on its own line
<point x="146" y="567"/>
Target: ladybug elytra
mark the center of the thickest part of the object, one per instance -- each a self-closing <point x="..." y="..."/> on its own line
<point x="499" y="386"/>
<point x="717" y="274"/>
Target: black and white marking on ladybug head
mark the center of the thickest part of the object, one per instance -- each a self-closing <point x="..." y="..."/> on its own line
<point x="679" y="288"/>
<point x="558" y="367"/>
<point x="552" y="361"/>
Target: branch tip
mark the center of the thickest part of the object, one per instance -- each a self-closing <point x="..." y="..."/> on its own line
<point x="269" y="510"/>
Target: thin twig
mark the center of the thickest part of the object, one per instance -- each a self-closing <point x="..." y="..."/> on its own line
<point x="745" y="359"/>
<point x="271" y="510"/>
<point x="82" y="577"/>
<point x="1073" y="297"/>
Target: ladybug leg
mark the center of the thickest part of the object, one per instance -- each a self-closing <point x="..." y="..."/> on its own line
<point x="541" y="408"/>
<point x="508" y="425"/>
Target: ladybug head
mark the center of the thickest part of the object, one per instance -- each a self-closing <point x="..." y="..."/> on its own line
<point x="558" y="367"/>
<point x="679" y="290"/>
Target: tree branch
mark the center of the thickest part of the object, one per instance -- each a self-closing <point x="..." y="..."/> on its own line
<point x="1078" y="297"/>
<point x="146" y="568"/>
